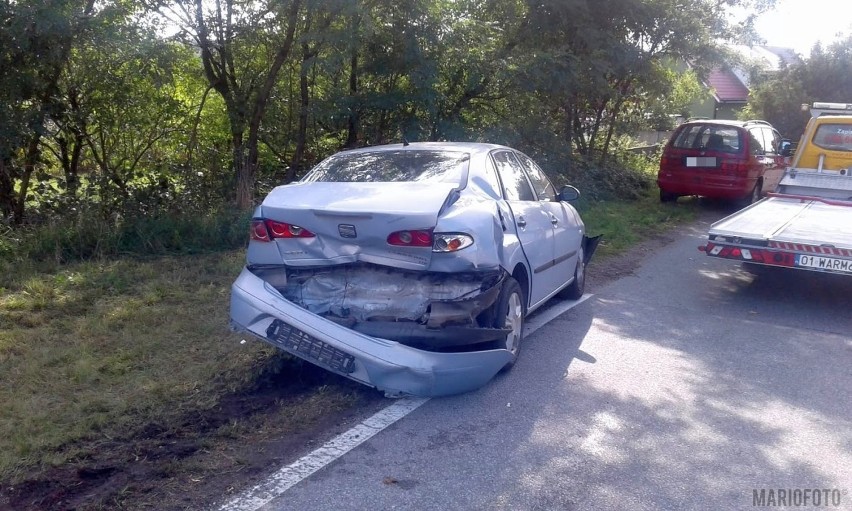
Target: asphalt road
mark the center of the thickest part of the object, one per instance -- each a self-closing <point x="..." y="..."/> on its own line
<point x="686" y="385"/>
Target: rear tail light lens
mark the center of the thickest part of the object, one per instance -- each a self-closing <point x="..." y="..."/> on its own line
<point x="267" y="230"/>
<point x="259" y="231"/>
<point x="413" y="238"/>
<point x="734" y="166"/>
<point x="451" y="242"/>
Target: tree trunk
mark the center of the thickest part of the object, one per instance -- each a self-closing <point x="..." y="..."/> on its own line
<point x="352" y="133"/>
<point x="7" y="187"/>
<point x="302" y="130"/>
<point x="247" y="172"/>
<point x="30" y="160"/>
<point x="245" y="177"/>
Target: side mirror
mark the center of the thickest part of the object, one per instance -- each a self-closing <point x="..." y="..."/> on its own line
<point x="569" y="193"/>
<point x="786" y="148"/>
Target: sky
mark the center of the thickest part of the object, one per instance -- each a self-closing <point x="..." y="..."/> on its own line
<point x="798" y="24"/>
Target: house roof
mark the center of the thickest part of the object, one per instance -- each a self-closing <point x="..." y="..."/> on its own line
<point x="727" y="87"/>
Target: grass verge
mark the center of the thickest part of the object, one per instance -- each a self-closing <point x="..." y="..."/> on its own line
<point x="623" y="224"/>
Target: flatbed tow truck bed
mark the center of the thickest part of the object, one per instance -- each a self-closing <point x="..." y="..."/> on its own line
<point x="794" y="231"/>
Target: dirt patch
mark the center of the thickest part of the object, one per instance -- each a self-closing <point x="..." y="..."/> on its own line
<point x="212" y="453"/>
<point x="292" y="409"/>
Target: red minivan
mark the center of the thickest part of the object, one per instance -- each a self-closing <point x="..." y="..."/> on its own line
<point x="733" y="160"/>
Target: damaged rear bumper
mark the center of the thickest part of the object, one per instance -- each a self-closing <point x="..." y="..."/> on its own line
<point x="258" y="308"/>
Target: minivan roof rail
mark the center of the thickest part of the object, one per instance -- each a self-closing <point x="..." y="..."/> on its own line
<point x="758" y="121"/>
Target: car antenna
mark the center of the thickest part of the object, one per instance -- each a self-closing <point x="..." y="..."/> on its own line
<point x="404" y="141"/>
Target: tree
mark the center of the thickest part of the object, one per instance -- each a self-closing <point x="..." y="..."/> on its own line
<point x="37" y="38"/>
<point x="243" y="47"/>
<point x="824" y="76"/>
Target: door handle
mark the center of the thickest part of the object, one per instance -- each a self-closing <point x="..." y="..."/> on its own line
<point x="521" y="222"/>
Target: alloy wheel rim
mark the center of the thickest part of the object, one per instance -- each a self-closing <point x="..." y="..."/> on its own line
<point x="514" y="320"/>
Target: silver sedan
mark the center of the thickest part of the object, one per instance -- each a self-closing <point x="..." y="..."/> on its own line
<point x="410" y="267"/>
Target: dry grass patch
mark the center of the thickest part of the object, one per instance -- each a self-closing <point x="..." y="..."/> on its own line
<point x="98" y="350"/>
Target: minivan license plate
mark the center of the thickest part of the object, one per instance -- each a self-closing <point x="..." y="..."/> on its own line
<point x="701" y="161"/>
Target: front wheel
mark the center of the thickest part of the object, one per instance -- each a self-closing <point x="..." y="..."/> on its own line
<point x="510" y="314"/>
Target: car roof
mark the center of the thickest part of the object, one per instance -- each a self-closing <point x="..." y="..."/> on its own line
<point x="728" y="122"/>
<point x="833" y="119"/>
<point x="467" y="147"/>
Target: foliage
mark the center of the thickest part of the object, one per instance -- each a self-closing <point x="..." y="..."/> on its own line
<point x="84" y="235"/>
<point x="107" y="117"/>
<point x="824" y="76"/>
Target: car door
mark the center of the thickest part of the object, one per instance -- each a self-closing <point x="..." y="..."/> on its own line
<point x="567" y="235"/>
<point x="775" y="170"/>
<point x="769" y="165"/>
<point x="532" y="224"/>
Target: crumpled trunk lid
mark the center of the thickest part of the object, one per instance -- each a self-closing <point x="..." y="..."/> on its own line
<point x="352" y="221"/>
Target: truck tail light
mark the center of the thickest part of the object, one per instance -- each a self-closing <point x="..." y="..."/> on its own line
<point x="753" y="255"/>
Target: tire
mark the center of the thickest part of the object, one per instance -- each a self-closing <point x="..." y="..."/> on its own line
<point x="753" y="197"/>
<point x="576" y="289"/>
<point x="667" y="197"/>
<point x="509" y="312"/>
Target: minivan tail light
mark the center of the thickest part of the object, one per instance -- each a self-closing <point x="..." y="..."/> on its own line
<point x="412" y="238"/>
<point x="267" y="230"/>
<point x="734" y="166"/>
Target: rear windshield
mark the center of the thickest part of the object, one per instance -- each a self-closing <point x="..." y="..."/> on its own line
<point x="388" y="166"/>
<point x="709" y="137"/>
<point x="834" y="137"/>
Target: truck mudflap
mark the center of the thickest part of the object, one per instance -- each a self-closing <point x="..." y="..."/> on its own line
<point x="389" y="366"/>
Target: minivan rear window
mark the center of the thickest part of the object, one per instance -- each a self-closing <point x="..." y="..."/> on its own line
<point x="708" y="137"/>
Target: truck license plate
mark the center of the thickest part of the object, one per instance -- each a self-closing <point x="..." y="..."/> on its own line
<point x="700" y="161"/>
<point x="824" y="263"/>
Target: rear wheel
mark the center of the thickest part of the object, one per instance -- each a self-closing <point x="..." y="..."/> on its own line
<point x="578" y="286"/>
<point x="667" y="197"/>
<point x="509" y="313"/>
<point x="753" y="197"/>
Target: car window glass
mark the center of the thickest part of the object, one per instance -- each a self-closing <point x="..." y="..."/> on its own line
<point x="773" y="140"/>
<point x="488" y="180"/>
<point x="515" y="185"/>
<point x="386" y="166"/>
<point x="835" y="137"/>
<point x="708" y="137"/>
<point x="543" y="187"/>
<point x="756" y="141"/>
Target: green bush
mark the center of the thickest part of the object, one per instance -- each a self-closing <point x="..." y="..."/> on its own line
<point x="86" y="235"/>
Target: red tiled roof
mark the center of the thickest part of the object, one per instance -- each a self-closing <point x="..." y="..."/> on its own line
<point x="727" y="86"/>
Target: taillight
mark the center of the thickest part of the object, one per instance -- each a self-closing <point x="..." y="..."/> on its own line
<point x="451" y="242"/>
<point x="258" y="231"/>
<point x="756" y="255"/>
<point x="267" y="230"/>
<point x="419" y="238"/>
<point x="734" y="166"/>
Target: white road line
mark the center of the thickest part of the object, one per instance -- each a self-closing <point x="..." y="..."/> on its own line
<point x="290" y="475"/>
<point x="543" y="317"/>
<point x="287" y="477"/>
